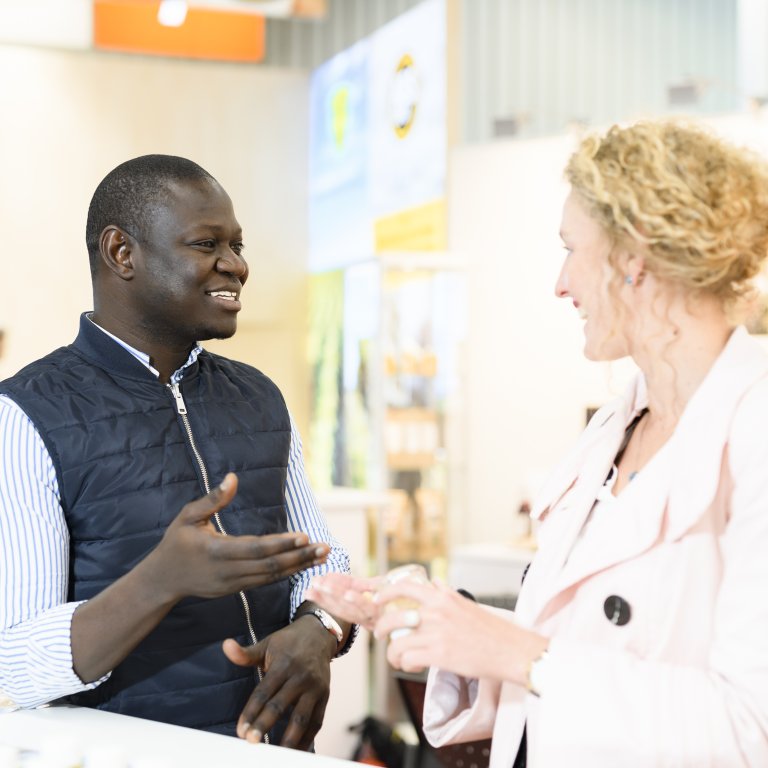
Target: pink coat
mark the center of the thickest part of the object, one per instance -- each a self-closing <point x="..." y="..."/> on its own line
<point x="684" y="682"/>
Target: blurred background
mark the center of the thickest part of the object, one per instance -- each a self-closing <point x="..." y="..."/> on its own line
<point x="397" y="169"/>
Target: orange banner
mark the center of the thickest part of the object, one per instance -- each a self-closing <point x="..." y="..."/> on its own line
<point x="132" y="26"/>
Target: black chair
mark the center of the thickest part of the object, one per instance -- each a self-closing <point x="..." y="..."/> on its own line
<point x="471" y="754"/>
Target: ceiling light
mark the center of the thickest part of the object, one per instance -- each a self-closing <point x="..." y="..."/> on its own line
<point x="172" y="13"/>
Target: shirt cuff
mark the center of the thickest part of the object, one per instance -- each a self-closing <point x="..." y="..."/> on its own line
<point x="37" y="660"/>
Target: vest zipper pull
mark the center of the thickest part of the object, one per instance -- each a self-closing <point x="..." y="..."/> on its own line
<point x="180" y="407"/>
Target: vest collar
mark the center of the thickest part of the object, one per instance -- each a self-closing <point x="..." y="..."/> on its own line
<point x="101" y="350"/>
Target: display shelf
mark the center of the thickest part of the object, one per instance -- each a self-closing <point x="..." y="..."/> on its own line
<point x="386" y="340"/>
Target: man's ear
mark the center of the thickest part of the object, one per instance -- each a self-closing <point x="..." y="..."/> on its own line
<point x="116" y="250"/>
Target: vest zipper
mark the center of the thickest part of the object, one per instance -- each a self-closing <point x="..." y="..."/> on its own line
<point x="181" y="409"/>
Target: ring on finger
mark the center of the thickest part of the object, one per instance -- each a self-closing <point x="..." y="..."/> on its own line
<point x="411" y="618"/>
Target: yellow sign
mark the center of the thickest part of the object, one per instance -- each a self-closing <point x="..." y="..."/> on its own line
<point x="416" y="229"/>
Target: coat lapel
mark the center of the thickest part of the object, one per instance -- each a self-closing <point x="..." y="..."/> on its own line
<point x="666" y="499"/>
<point x="569" y="494"/>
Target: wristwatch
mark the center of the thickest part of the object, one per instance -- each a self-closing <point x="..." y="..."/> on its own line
<point x="329" y="623"/>
<point x="537" y="673"/>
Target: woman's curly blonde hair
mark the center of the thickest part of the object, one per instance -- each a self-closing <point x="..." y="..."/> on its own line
<point x="699" y="205"/>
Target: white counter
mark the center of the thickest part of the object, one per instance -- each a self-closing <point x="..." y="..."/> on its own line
<point x="491" y="568"/>
<point x="169" y="746"/>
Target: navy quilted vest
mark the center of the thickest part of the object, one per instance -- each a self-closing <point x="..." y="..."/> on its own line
<point x="125" y="468"/>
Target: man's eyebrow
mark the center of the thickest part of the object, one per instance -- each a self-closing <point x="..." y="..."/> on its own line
<point x="202" y="226"/>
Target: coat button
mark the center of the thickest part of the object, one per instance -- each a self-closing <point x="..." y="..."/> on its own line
<point x="617" y="610"/>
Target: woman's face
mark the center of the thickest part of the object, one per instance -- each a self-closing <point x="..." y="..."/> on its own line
<point x="585" y="278"/>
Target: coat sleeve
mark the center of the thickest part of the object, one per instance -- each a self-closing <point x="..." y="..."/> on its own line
<point x="459" y="709"/>
<point x="608" y="707"/>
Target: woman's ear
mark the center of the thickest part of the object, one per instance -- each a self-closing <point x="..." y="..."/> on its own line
<point x="116" y="250"/>
<point x="632" y="267"/>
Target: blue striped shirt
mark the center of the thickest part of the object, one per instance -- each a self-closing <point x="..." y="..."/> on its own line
<point x="35" y="617"/>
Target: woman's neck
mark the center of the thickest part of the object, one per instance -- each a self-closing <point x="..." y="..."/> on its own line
<point x="677" y="351"/>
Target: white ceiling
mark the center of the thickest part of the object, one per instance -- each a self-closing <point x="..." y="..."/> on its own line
<point x="69" y="23"/>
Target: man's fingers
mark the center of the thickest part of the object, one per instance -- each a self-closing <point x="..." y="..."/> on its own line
<point x="295" y="546"/>
<point x="316" y="724"/>
<point x="264" y="708"/>
<point x="304" y="723"/>
<point x="205" y="507"/>
<point x="242" y="572"/>
<point x="250" y="656"/>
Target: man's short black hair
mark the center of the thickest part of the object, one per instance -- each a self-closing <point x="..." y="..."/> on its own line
<point x="128" y="196"/>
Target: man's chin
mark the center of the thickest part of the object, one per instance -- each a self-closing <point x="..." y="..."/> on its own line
<point x="217" y="333"/>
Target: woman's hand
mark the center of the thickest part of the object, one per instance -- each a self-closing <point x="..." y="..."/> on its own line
<point x="347" y="597"/>
<point x="453" y="633"/>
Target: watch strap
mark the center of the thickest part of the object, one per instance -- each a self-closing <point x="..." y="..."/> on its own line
<point x="329" y="623"/>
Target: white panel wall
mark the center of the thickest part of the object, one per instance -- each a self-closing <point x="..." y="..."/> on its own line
<point x="60" y="23"/>
<point x="68" y="118"/>
<point x="527" y="382"/>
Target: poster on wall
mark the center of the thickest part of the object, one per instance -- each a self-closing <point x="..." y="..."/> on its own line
<point x="339" y="212"/>
<point x="325" y="458"/>
<point x="378" y="143"/>
<point x="344" y="315"/>
<point x="407" y="118"/>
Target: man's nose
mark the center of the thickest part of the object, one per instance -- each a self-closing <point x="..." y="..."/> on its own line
<point x="232" y="263"/>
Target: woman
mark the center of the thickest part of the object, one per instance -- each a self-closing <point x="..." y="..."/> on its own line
<point x="640" y="636"/>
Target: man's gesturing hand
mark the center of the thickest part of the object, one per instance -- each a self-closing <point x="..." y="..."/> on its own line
<point x="194" y="559"/>
<point x="296" y="662"/>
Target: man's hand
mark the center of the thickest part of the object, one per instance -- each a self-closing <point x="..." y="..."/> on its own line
<point x="296" y="662"/>
<point x="193" y="559"/>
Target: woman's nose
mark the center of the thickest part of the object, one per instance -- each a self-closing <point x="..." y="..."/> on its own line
<point x="561" y="284"/>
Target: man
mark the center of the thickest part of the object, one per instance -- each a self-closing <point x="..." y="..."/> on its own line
<point x="117" y="583"/>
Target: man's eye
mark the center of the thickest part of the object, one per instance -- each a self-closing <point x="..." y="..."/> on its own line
<point x="238" y="248"/>
<point x="205" y="244"/>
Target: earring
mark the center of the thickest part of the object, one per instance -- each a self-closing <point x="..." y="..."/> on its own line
<point x="628" y="280"/>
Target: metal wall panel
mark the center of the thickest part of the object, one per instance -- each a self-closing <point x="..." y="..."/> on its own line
<point x="549" y="63"/>
<point x="305" y="43"/>
<point x="554" y="62"/>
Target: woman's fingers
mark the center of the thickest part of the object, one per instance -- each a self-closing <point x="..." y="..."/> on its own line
<point x="347" y="597"/>
<point x="406" y="590"/>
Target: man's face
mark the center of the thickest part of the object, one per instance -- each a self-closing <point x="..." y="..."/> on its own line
<point x="189" y="268"/>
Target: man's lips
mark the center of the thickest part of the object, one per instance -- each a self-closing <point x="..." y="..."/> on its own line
<point x="228" y="299"/>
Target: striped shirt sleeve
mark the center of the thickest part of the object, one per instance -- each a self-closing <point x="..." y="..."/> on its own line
<point x="35" y="617"/>
<point x="304" y="515"/>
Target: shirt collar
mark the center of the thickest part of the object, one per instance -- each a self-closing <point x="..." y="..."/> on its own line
<point x="144" y="358"/>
